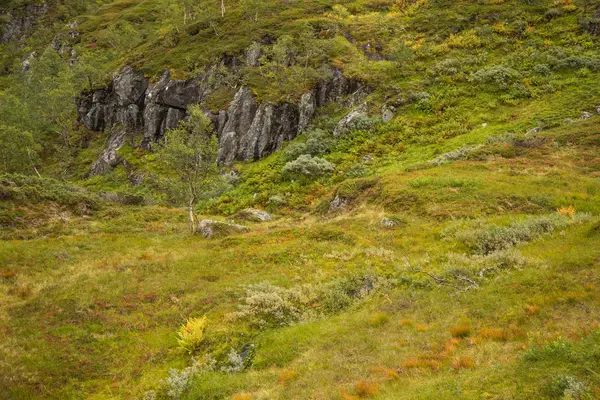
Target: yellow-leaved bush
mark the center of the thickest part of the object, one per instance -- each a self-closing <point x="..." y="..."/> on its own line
<point x="191" y="335"/>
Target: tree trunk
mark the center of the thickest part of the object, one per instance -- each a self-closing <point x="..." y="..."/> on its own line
<point x="192" y="215"/>
<point x="222" y="8"/>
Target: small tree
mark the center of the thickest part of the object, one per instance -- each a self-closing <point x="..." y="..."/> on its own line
<point x="18" y="150"/>
<point x="190" y="151"/>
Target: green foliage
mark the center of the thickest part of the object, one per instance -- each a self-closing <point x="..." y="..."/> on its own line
<point x="190" y="153"/>
<point x="317" y="142"/>
<point x="18" y="151"/>
<point x="27" y="189"/>
<point x="305" y="165"/>
<point x="191" y="335"/>
<point x="498" y="75"/>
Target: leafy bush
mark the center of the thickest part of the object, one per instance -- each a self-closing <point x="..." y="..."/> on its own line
<point x="317" y="142"/>
<point x="266" y="305"/>
<point x="270" y="305"/>
<point x="568" y="387"/>
<point x="498" y="75"/>
<point x="32" y="189"/>
<point x="308" y="166"/>
<point x="191" y="335"/>
<point x="577" y="62"/>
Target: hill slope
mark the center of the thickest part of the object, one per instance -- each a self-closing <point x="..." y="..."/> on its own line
<point x="444" y="244"/>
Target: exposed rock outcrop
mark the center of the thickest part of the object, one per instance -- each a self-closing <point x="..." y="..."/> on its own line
<point x="215" y="229"/>
<point x="109" y="158"/>
<point x="252" y="214"/>
<point x="20" y="21"/>
<point x="253" y="131"/>
<point x="347" y="122"/>
<point x="247" y="130"/>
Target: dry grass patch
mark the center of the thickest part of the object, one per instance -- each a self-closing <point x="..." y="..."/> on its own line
<point x="286" y="376"/>
<point x="242" y="396"/>
<point x="366" y="388"/>
<point x="460" y="331"/>
<point x="462" y="362"/>
<point x="422" y="363"/>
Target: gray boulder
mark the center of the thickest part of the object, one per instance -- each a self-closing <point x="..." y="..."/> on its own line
<point x="216" y="229"/>
<point x="308" y="106"/>
<point x="109" y="158"/>
<point x="252" y="214"/>
<point x="338" y="203"/>
<point x="129" y="87"/>
<point x="346" y="123"/>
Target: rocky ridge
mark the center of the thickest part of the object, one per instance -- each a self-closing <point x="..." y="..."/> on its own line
<point x="247" y="130"/>
<point x="20" y="21"/>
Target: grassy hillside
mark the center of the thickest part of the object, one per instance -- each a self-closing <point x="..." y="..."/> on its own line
<point x="465" y="263"/>
<point x="400" y="312"/>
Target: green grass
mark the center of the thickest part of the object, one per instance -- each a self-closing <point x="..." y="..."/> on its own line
<point x="93" y="309"/>
<point x="93" y="293"/>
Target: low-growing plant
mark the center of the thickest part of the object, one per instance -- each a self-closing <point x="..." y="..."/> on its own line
<point x="306" y="165"/>
<point x="499" y="75"/>
<point x="568" y="387"/>
<point x="462" y="362"/>
<point x="318" y="142"/>
<point x="458" y="154"/>
<point x="489" y="239"/>
<point x="379" y="319"/>
<point x="191" y="335"/>
<point x="266" y="305"/>
<point x="269" y="305"/>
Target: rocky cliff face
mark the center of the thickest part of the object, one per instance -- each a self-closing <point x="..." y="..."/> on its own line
<point x="20" y="21"/>
<point x="247" y="130"/>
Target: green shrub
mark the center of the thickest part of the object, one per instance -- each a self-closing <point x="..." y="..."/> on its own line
<point x="269" y="305"/>
<point x="317" y="142"/>
<point x="498" y="75"/>
<point x="30" y="189"/>
<point x="308" y="166"/>
<point x="568" y="387"/>
<point x="266" y="305"/>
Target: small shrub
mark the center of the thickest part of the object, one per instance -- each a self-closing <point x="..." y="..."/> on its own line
<point x="568" y="387"/>
<point x="268" y="305"/>
<point x="235" y="363"/>
<point x="498" y="75"/>
<point x="317" y="142"/>
<point x="241" y="396"/>
<point x="467" y="39"/>
<point x="457" y="154"/>
<point x="556" y="350"/>
<point x="532" y="309"/>
<point x="308" y="166"/>
<point x="460" y="331"/>
<point x="366" y="388"/>
<point x="487" y="240"/>
<point x="570" y="210"/>
<point x="191" y="335"/>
